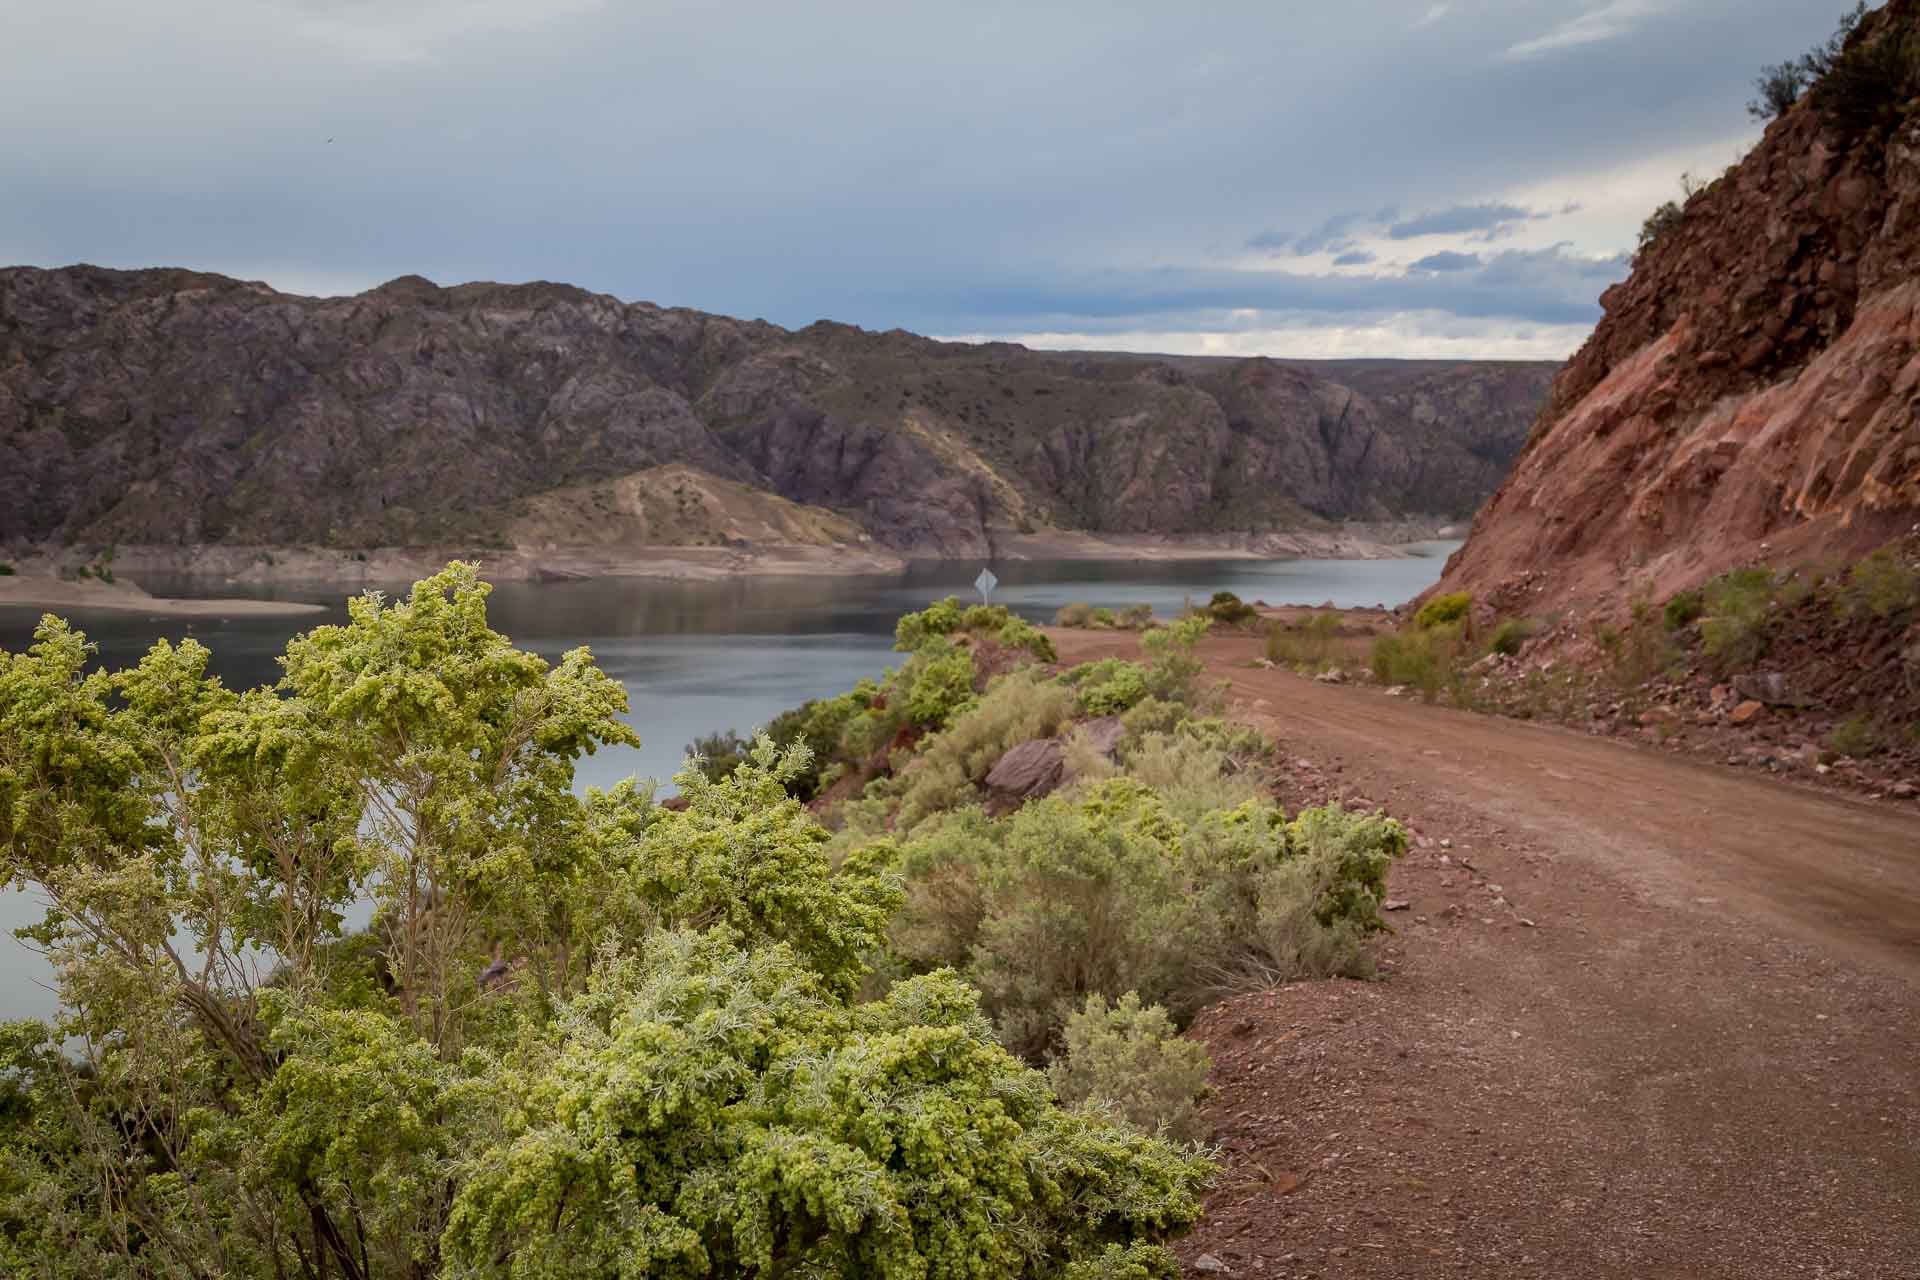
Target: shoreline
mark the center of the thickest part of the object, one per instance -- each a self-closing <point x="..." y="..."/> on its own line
<point x="40" y="591"/>
<point x="38" y="581"/>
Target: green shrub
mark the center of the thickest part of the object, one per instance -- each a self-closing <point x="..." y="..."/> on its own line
<point x="717" y="755"/>
<point x="1153" y="715"/>
<point x="1228" y="609"/>
<point x="1733" y="629"/>
<point x="827" y="727"/>
<point x="1106" y="889"/>
<point x="1663" y="219"/>
<point x="938" y="685"/>
<point x="1109" y="686"/>
<point x="1173" y="672"/>
<point x="1018" y="707"/>
<point x="1684" y="609"/>
<point x="1018" y="633"/>
<point x="1127" y="1060"/>
<point x="705" y="1110"/>
<point x="1442" y="610"/>
<point x="937" y="621"/>
<point x="6" y="570"/>
<point x="1308" y="643"/>
<point x="1083" y="894"/>
<point x="1509" y="637"/>
<point x="945" y="620"/>
<point x="1136" y="617"/>
<point x="1866" y="84"/>
<point x="1855" y="736"/>
<point x="1641" y="651"/>
<point x="1777" y="88"/>
<point x="706" y="1097"/>
<point x="1882" y="586"/>
<point x="1199" y="767"/>
<point x="1423" y="658"/>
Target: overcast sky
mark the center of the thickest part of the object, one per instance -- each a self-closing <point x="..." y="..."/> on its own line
<point x="1353" y="177"/>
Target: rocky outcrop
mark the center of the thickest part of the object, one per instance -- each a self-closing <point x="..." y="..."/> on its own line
<point x="1027" y="772"/>
<point x="1753" y="391"/>
<point x="170" y="407"/>
<point x="1039" y="767"/>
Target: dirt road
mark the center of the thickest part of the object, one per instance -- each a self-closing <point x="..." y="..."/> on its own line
<point x="1641" y="1017"/>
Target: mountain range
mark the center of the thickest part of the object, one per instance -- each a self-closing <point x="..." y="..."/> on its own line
<point x="174" y="408"/>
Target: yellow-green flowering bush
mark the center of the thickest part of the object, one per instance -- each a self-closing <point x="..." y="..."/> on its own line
<point x="583" y="1036"/>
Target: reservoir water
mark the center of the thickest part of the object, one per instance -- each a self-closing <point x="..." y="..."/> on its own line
<point x="701" y="656"/>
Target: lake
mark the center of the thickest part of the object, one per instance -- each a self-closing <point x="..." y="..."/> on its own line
<point x="703" y="656"/>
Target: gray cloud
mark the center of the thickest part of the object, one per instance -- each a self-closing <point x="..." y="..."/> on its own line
<point x="1447" y="260"/>
<point x="1460" y="218"/>
<point x="1354" y="258"/>
<point x="1544" y="286"/>
<point x="1331" y="234"/>
<point x="868" y="162"/>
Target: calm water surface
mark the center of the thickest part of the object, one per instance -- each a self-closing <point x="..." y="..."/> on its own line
<point x="701" y="656"/>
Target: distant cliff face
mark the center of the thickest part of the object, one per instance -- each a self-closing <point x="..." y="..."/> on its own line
<point x="173" y="407"/>
<point x="1753" y="391"/>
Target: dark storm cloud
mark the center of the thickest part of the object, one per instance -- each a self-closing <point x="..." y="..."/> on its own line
<point x="857" y="159"/>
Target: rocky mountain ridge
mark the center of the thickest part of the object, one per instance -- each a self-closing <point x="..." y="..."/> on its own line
<point x="177" y="408"/>
<point x="1753" y="390"/>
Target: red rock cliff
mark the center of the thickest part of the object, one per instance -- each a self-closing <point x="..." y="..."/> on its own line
<point x="1753" y="391"/>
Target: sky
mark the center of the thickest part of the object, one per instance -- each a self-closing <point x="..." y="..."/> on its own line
<point x="1452" y="179"/>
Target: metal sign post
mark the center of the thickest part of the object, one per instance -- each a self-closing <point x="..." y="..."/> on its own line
<point x="985" y="584"/>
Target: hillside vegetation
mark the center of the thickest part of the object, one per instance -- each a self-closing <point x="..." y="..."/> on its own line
<point x="592" y="1035"/>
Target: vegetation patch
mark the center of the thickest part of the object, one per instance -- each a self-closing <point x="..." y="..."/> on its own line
<point x="1511" y="635"/>
<point x="1444" y="610"/>
<point x="1827" y="653"/>
<point x="1308" y="644"/>
<point x="1127" y="1059"/>
<point x="1230" y="610"/>
<point x="1423" y="658"/>
<point x="585" y="1034"/>
<point x="1099" y="618"/>
<point x="1733" y="623"/>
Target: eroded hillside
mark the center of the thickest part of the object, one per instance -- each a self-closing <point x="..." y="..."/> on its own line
<point x="1753" y="391"/>
<point x="172" y="407"/>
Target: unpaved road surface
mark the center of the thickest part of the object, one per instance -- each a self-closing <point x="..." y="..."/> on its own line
<point x="1640" y="1017"/>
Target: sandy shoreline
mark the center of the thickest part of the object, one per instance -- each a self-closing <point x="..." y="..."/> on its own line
<point x="53" y="594"/>
<point x="40" y="581"/>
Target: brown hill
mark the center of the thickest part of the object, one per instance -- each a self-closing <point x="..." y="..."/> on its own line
<point x="1753" y="391"/>
<point x="170" y="407"/>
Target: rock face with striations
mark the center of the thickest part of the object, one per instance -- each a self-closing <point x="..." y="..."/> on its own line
<point x="173" y="407"/>
<point x="1753" y="391"/>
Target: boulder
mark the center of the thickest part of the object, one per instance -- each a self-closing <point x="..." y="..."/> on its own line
<point x="1029" y="771"/>
<point x="1769" y="687"/>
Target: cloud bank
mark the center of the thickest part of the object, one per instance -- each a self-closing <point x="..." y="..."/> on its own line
<point x="1394" y="172"/>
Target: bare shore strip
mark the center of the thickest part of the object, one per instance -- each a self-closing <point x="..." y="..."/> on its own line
<point x="56" y="594"/>
<point x="45" y="580"/>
